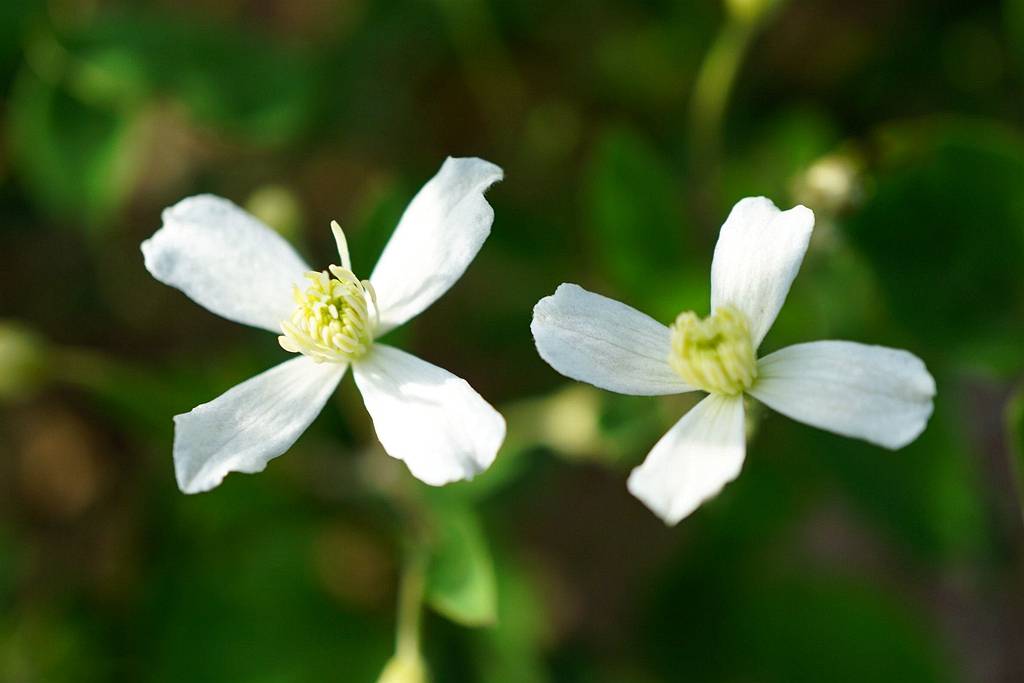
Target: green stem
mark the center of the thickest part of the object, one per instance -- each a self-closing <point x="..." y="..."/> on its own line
<point x="410" y="605"/>
<point x="714" y="84"/>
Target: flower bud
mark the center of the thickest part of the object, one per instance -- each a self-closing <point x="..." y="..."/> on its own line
<point x="404" y="668"/>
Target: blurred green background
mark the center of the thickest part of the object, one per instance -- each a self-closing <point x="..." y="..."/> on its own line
<point x="626" y="131"/>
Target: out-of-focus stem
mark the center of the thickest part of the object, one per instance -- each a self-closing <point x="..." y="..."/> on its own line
<point x="712" y="90"/>
<point x="714" y="84"/>
<point x="407" y="665"/>
<point x="410" y="606"/>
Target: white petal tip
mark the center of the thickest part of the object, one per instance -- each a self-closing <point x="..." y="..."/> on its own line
<point x="882" y="395"/>
<point x="427" y="417"/>
<point x="469" y="467"/>
<point x="694" y="461"/>
<point x="210" y="474"/>
<point x="483" y="170"/>
<point x="671" y="510"/>
<point x="250" y="424"/>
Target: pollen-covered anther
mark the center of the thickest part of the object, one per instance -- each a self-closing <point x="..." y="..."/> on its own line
<point x="716" y="353"/>
<point x="336" y="317"/>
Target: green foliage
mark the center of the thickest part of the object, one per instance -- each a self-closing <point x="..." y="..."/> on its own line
<point x="798" y="629"/>
<point x="238" y="599"/>
<point x="949" y="261"/>
<point x="512" y="651"/>
<point x="634" y="210"/>
<point x="1014" y="14"/>
<point x="75" y="158"/>
<point x="233" y="79"/>
<point x="460" y="575"/>
<point x="827" y="559"/>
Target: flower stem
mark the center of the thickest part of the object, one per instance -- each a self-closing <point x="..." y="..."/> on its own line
<point x="410" y="605"/>
<point x="712" y="90"/>
<point x="714" y="84"/>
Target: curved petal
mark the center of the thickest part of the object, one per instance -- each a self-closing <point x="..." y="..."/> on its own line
<point x="439" y="235"/>
<point x="758" y="254"/>
<point x="250" y="424"/>
<point x="874" y="393"/>
<point x="428" y="417"/>
<point x="594" y="339"/>
<point x="702" y="453"/>
<point x="226" y="261"/>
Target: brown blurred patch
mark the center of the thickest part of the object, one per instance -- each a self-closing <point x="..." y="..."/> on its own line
<point x="354" y="565"/>
<point x="60" y="471"/>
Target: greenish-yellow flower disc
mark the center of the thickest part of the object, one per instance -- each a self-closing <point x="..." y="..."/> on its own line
<point x="333" y="321"/>
<point x="716" y="353"/>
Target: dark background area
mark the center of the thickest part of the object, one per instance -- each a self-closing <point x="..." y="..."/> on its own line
<point x="626" y="130"/>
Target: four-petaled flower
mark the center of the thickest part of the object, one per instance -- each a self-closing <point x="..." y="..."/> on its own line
<point x="236" y="267"/>
<point x="874" y="393"/>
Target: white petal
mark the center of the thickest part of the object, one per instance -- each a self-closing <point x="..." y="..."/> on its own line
<point x="594" y="339"/>
<point x="251" y="423"/>
<point x="226" y="261"/>
<point x="439" y="235"/>
<point x="428" y="417"/>
<point x="874" y="393"/>
<point x="693" y="461"/>
<point x="758" y="254"/>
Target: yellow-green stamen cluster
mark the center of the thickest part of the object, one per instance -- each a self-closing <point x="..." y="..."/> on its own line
<point x="336" y="317"/>
<point x="716" y="353"/>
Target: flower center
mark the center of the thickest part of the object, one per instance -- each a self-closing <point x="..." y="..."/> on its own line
<point x="333" y="320"/>
<point x="715" y="353"/>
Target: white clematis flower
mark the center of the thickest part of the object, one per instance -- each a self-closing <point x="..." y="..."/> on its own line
<point x="233" y="265"/>
<point x="874" y="393"/>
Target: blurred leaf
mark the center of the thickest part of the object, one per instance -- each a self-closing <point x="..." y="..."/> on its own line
<point x="227" y="77"/>
<point x="779" y="625"/>
<point x="944" y="232"/>
<point x="927" y="495"/>
<point x="236" y="597"/>
<point x="801" y="628"/>
<point x="645" y="66"/>
<point x="1014" y="14"/>
<point x="76" y="159"/>
<point x="772" y="151"/>
<point x="14" y="20"/>
<point x="512" y="651"/>
<point x="460" y="576"/>
<point x="633" y="206"/>
<point x="52" y="647"/>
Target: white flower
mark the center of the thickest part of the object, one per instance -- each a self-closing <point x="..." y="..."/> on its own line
<point x="236" y="267"/>
<point x="874" y="393"/>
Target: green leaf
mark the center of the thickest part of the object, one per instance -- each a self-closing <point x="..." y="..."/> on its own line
<point x="460" y="576"/>
<point x="633" y="202"/>
<point x="771" y="153"/>
<point x="1014" y="14"/>
<point x="513" y="651"/>
<point x="15" y="19"/>
<point x="927" y="497"/>
<point x="804" y="628"/>
<point x="943" y="233"/>
<point x="776" y="622"/>
<point x="234" y="79"/>
<point x="76" y="159"/>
